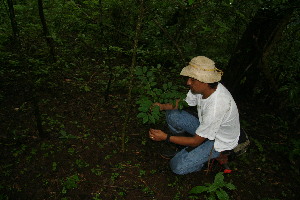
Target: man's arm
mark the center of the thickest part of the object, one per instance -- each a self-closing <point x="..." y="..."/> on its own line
<point x="168" y="106"/>
<point x="158" y="135"/>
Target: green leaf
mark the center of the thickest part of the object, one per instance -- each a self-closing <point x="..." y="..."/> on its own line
<point x="156" y="116"/>
<point x="139" y="71"/>
<point x="156" y="109"/>
<point x="149" y="74"/>
<point x="165" y="86"/>
<point x="219" y="178"/>
<point x="145" y="119"/>
<point x="141" y="115"/>
<point x="212" y="188"/>
<point x="151" y="119"/>
<point x="191" y="2"/>
<point x="198" y="190"/>
<point x="143" y="108"/>
<point x="221" y="194"/>
<point x="87" y="88"/>
<point x="230" y="186"/>
<point x="153" y="84"/>
<point x="144" y="69"/>
<point x="212" y="197"/>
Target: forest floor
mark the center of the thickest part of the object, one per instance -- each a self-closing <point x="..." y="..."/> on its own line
<point x="83" y="160"/>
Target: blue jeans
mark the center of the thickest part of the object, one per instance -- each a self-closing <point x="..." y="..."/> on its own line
<point x="185" y="162"/>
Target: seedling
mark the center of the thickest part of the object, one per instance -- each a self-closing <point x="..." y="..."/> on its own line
<point x="216" y="189"/>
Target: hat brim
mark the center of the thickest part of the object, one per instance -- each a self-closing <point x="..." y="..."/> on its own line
<point x="203" y="76"/>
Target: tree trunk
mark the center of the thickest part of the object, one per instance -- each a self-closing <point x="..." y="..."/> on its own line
<point x="47" y="36"/>
<point x="14" y="25"/>
<point x="246" y="64"/>
<point x="131" y="73"/>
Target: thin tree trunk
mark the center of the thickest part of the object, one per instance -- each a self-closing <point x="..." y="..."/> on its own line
<point x="108" y="86"/>
<point x="101" y="18"/>
<point x="47" y="36"/>
<point x="38" y="117"/>
<point x="131" y="73"/>
<point x="14" y="25"/>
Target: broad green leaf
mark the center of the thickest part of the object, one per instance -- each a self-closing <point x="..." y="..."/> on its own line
<point x="143" y="108"/>
<point x="230" y="186"/>
<point x="198" y="190"/>
<point x="221" y="194"/>
<point x="139" y="71"/>
<point x="145" y="119"/>
<point x="212" y="197"/>
<point x="149" y="74"/>
<point x="165" y="86"/>
<point x="141" y="115"/>
<point x="144" y="69"/>
<point x="191" y="2"/>
<point x="219" y="178"/>
<point x="87" y="88"/>
<point x="151" y="119"/>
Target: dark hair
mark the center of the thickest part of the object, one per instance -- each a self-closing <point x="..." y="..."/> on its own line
<point x="213" y="85"/>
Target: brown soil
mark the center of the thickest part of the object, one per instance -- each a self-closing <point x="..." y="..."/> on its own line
<point x="83" y="159"/>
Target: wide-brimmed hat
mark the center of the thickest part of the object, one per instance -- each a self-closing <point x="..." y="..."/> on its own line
<point x="203" y="69"/>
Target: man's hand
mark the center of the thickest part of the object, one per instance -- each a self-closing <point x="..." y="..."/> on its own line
<point x="157" y="135"/>
<point x="161" y="106"/>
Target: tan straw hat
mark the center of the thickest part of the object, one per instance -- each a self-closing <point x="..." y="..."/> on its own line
<point x="203" y="69"/>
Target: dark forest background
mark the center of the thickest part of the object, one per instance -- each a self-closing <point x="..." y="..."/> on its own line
<point x="73" y="70"/>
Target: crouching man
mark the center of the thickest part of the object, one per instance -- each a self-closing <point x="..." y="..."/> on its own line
<point x="215" y="127"/>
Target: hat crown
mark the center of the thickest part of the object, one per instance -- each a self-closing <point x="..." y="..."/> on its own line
<point x="202" y="62"/>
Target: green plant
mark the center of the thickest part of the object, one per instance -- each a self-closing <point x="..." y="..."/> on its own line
<point x="97" y="171"/>
<point x="148" y="191"/>
<point x="150" y="94"/>
<point x="55" y="125"/>
<point x="97" y="197"/>
<point x="114" y="176"/>
<point x="173" y="183"/>
<point x="216" y="189"/>
<point x="54" y="166"/>
<point x="70" y="183"/>
<point x="65" y="135"/>
<point x="81" y="164"/>
<point x="142" y="173"/>
<point x="71" y="150"/>
<point x="258" y="145"/>
<point x="18" y="151"/>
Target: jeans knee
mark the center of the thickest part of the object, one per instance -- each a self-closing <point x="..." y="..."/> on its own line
<point x="177" y="168"/>
<point x="172" y="117"/>
<point x="178" y="172"/>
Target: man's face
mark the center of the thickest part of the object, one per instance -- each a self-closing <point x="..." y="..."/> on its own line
<point x="197" y="87"/>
